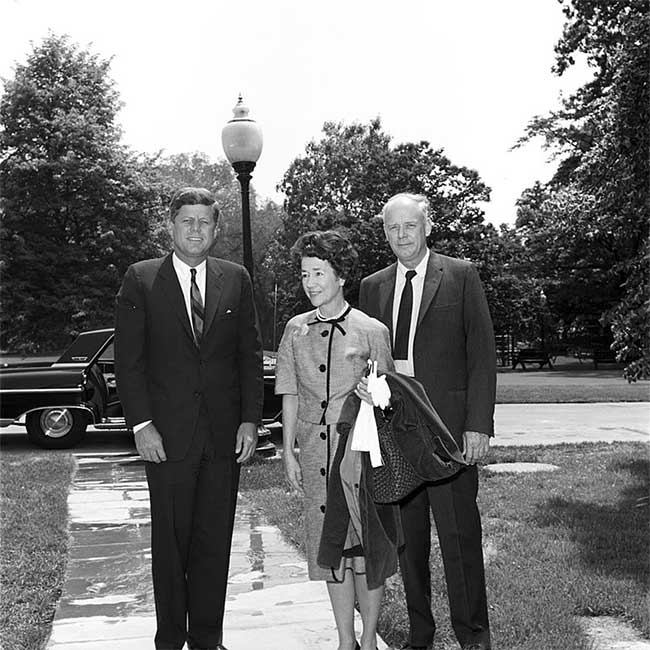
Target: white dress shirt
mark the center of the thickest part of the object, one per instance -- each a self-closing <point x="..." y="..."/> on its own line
<point x="406" y="366"/>
<point x="184" y="279"/>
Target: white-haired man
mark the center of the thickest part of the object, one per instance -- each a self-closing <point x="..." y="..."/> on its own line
<point x="442" y="335"/>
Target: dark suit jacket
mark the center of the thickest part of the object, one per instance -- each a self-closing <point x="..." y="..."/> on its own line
<point x="454" y="350"/>
<point x="162" y="375"/>
<point x="381" y="534"/>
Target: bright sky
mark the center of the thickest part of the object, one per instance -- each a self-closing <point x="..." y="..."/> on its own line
<point x="465" y="75"/>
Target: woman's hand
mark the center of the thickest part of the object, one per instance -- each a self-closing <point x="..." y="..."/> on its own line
<point x="292" y="471"/>
<point x="361" y="391"/>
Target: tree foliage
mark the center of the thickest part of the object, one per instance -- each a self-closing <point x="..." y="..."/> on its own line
<point x="343" y="180"/>
<point x="591" y="229"/>
<point x="75" y="203"/>
<point x="345" y="177"/>
<point x="197" y="169"/>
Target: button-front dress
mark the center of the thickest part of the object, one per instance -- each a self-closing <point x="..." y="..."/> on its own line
<point x="321" y="362"/>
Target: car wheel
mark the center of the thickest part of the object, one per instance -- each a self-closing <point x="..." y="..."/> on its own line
<point x="56" y="428"/>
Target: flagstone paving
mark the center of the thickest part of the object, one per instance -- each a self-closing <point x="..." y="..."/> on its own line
<point x="107" y="599"/>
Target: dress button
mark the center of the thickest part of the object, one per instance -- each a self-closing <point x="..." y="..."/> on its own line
<point x="197" y="394"/>
<point x="323" y="404"/>
<point x="322" y="471"/>
<point x="323" y="435"/>
<point x="322" y="508"/>
<point x="324" y="333"/>
<point x="322" y="367"/>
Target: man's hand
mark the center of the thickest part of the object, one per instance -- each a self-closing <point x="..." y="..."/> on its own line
<point x="246" y="441"/>
<point x="476" y="446"/>
<point x="292" y="471"/>
<point x="149" y="444"/>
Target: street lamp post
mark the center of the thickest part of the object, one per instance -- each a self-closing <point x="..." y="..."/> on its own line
<point x="542" y="318"/>
<point x="241" y="138"/>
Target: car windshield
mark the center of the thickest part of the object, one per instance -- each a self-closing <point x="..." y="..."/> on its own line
<point x="87" y="347"/>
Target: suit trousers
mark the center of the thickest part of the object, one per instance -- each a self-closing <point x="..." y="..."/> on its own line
<point x="192" y="516"/>
<point x="458" y="523"/>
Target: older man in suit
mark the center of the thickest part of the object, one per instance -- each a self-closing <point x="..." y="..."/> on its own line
<point x="442" y="335"/>
<point x="190" y="377"/>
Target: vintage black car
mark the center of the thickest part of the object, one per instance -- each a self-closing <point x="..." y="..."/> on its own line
<point x="58" y="400"/>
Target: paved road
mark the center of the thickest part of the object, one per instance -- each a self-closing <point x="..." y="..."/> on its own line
<point x="548" y="424"/>
<point x="515" y="424"/>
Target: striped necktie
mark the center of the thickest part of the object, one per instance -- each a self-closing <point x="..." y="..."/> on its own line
<point x="196" y="304"/>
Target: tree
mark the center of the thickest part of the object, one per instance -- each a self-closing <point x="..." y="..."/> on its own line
<point x="512" y="292"/>
<point x="571" y="263"/>
<point x="342" y="181"/>
<point x="595" y="218"/>
<point x="75" y="204"/>
<point x="198" y="170"/>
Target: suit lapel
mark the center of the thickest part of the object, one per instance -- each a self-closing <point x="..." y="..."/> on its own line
<point x="431" y="284"/>
<point x="213" y="291"/>
<point x="174" y="293"/>
<point x="386" y="293"/>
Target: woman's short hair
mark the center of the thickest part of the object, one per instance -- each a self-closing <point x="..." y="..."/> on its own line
<point x="193" y="196"/>
<point x="331" y="246"/>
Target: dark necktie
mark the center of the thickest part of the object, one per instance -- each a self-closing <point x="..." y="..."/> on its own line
<point x="401" y="347"/>
<point x="196" y="304"/>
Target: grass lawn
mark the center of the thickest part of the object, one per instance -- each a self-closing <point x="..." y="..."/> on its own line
<point x="559" y="392"/>
<point x="568" y="382"/>
<point x="560" y="544"/>
<point x="34" y="544"/>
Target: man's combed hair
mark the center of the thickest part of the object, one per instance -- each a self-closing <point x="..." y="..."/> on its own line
<point x="331" y="246"/>
<point x="193" y="196"/>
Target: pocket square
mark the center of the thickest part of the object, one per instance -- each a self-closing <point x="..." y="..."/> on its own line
<point x="228" y="311"/>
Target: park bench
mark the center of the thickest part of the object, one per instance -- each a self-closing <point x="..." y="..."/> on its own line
<point x="598" y="355"/>
<point x="582" y="354"/>
<point x="603" y="355"/>
<point x="531" y="355"/>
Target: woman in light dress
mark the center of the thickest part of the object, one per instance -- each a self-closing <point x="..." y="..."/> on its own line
<point x="322" y="355"/>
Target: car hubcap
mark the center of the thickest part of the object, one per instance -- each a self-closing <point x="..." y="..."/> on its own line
<point x="56" y="423"/>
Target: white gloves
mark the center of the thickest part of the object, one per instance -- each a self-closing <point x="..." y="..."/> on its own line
<point x="364" y="433"/>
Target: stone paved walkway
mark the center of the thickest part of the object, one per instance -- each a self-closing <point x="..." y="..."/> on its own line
<point x="107" y="602"/>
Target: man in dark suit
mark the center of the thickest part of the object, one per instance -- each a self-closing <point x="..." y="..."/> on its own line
<point x="436" y="310"/>
<point x="190" y="378"/>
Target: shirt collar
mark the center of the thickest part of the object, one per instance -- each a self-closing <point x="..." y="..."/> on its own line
<point x="420" y="269"/>
<point x="183" y="268"/>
